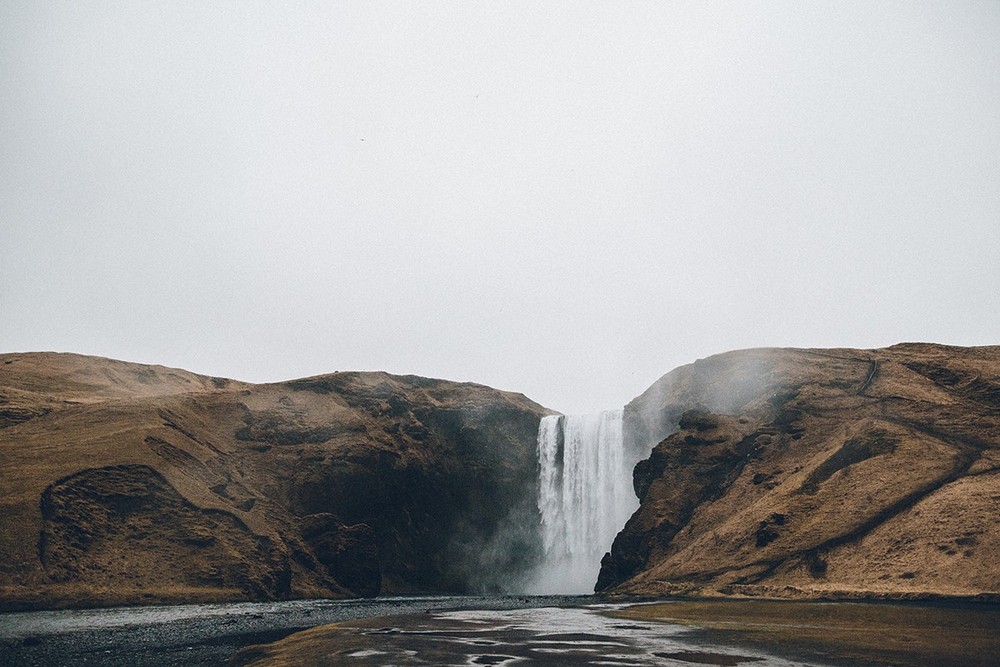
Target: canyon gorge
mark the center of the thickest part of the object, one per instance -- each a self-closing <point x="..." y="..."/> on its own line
<point x="778" y="473"/>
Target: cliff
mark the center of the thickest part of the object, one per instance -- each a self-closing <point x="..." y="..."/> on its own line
<point x="817" y="473"/>
<point x="777" y="473"/>
<point x="125" y="483"/>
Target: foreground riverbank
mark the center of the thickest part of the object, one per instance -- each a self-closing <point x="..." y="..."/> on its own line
<point x="550" y="630"/>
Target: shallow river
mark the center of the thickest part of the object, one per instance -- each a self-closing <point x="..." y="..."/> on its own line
<point x="398" y="631"/>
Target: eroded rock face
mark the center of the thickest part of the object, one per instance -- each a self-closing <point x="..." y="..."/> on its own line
<point x="126" y="484"/>
<point x="349" y="553"/>
<point x="101" y="523"/>
<point x="806" y="473"/>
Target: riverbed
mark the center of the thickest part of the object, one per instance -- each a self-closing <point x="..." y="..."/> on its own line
<point x="543" y="630"/>
<point x="203" y="634"/>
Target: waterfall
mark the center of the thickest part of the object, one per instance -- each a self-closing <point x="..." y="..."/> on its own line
<point x="584" y="496"/>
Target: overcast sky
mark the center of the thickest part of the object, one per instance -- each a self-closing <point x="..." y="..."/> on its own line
<point x="565" y="199"/>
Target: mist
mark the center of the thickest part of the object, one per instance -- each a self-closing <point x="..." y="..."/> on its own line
<point x="564" y="201"/>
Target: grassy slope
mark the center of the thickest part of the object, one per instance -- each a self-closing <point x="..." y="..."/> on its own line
<point x="811" y="473"/>
<point x="125" y="483"/>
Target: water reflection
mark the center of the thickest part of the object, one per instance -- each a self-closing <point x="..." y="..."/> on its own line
<point x="544" y="636"/>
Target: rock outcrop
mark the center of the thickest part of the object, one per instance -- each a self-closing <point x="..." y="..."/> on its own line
<point x="124" y="483"/>
<point x="817" y="473"/>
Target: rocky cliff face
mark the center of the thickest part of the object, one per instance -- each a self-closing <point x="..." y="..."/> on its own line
<point x="809" y="473"/>
<point x="125" y="483"/>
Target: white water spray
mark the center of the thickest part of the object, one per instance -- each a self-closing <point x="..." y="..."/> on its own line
<point x="585" y="497"/>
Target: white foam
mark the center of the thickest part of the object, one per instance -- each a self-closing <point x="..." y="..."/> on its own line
<point x="584" y="497"/>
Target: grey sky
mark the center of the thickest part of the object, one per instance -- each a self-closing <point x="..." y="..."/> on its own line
<point x="566" y="200"/>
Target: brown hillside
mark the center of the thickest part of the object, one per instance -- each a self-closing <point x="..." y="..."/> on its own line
<point x="124" y="483"/>
<point x="810" y="473"/>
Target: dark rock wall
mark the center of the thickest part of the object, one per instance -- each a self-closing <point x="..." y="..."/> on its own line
<point x="441" y="489"/>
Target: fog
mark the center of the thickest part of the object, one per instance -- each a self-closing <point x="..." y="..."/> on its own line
<point x="565" y="200"/>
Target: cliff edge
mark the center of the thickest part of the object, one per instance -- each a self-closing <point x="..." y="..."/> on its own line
<point x="817" y="473"/>
<point x="126" y="483"/>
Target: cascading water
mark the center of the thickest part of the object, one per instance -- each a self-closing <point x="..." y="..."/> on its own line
<point x="585" y="497"/>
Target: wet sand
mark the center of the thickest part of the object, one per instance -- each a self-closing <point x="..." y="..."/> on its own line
<point x="543" y="636"/>
<point x="842" y="633"/>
